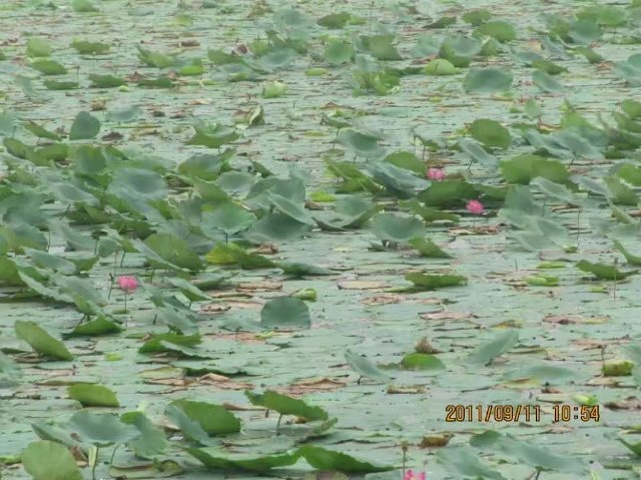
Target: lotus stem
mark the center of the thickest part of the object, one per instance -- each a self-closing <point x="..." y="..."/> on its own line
<point x="95" y="464"/>
<point x="614" y="293"/>
<point x="602" y="347"/>
<point x="113" y="454"/>
<point x="111" y="286"/>
<point x="404" y="449"/>
<point x="535" y="474"/>
<point x="578" y="226"/>
<point x="66" y="211"/>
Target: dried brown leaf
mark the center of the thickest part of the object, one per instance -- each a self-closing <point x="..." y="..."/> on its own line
<point x="223" y="383"/>
<point x="576" y="319"/>
<point x="266" y="249"/>
<point x="433" y="441"/>
<point x="423" y="346"/>
<point x="214" y="308"/>
<point x="316" y="384"/>
<point x="447" y="315"/>
<point x="262" y="286"/>
<point x="405" y="389"/>
<point x="630" y="403"/>
<point x="362" y="285"/>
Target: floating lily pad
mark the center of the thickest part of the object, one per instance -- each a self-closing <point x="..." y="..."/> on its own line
<point x="365" y="367"/>
<point x="432" y="282"/>
<point x="41" y="341"/>
<point x="38" y="47"/>
<point x="90" y="48"/>
<point x="84" y="126"/>
<point x="100" y="429"/>
<point x="285" y="313"/>
<point x="45" y="460"/>
<point x="219" y="459"/>
<point x="286" y="405"/>
<point x="440" y="67"/>
<point x="427" y="248"/>
<point x="499" y="29"/>
<point x="459" y="50"/>
<point x="90" y="395"/>
<point x="329" y="460"/>
<point x="602" y="271"/>
<point x="487" y="80"/>
<point x="152" y="440"/>
<point x="48" y="66"/>
<point x="360" y="144"/>
<point x="478" y="153"/>
<point x="490" y="133"/>
<point x="396" y="228"/>
<point x="448" y="193"/>
<point x="95" y="327"/>
<point x="502" y="343"/>
<point x="422" y="361"/>
<point x="213" y="419"/>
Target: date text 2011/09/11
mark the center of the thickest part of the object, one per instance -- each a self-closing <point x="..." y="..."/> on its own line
<point x="520" y="413"/>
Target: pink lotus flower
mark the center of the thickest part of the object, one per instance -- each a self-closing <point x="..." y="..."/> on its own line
<point x="409" y="475"/>
<point x="475" y="207"/>
<point x="436" y="174"/>
<point x="127" y="283"/>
